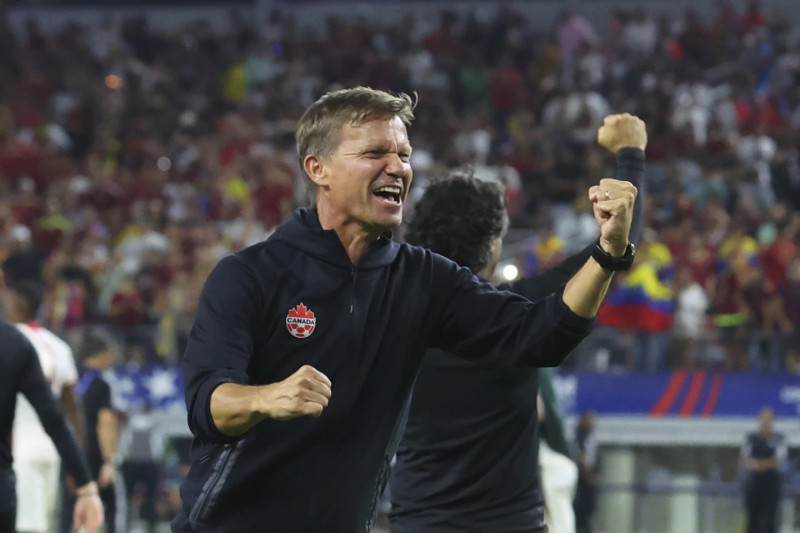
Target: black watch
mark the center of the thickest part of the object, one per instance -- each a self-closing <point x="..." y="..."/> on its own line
<point x="609" y="262"/>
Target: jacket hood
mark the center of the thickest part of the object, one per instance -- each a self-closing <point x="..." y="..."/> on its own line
<point x="303" y="231"/>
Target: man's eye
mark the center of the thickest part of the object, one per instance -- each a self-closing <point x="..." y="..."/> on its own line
<point x="405" y="158"/>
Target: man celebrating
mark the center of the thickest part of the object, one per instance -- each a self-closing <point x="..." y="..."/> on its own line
<point x="305" y="347"/>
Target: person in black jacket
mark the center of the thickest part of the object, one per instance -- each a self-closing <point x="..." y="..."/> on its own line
<point x="763" y="456"/>
<point x="305" y="347"/>
<point x="20" y="372"/>
<point x="102" y="419"/>
<point x="468" y="460"/>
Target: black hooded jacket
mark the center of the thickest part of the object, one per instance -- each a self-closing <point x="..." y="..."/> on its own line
<point x="296" y="299"/>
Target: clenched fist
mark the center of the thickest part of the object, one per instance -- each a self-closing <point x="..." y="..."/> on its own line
<point x="304" y="393"/>
<point x="613" y="210"/>
<point x="622" y="131"/>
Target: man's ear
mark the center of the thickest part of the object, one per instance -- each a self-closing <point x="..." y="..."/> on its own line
<point x="496" y="247"/>
<point x="315" y="168"/>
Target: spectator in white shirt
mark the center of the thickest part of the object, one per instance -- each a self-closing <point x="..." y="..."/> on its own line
<point x="36" y="460"/>
<point x="689" y="326"/>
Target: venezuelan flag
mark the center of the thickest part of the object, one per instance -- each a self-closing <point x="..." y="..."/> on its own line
<point x="641" y="303"/>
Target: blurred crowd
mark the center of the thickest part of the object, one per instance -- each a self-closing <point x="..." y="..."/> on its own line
<point x="132" y="160"/>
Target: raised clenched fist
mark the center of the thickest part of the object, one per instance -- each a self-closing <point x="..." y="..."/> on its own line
<point x="613" y="202"/>
<point x="622" y="131"/>
<point x="304" y="393"/>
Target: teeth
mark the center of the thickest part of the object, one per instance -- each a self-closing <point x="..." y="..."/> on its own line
<point x="390" y="190"/>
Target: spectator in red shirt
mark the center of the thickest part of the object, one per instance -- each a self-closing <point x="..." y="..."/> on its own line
<point x="790" y="292"/>
<point x="128" y="306"/>
<point x="733" y="314"/>
<point x="769" y="324"/>
<point x="753" y="17"/>
<point x="702" y="262"/>
<point x="506" y="89"/>
<point x="776" y="256"/>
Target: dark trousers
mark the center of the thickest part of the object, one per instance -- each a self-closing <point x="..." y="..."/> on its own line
<point x="762" y="499"/>
<point x="8" y="520"/>
<point x="8" y="502"/>
<point x="142" y="481"/>
<point x="585" y="499"/>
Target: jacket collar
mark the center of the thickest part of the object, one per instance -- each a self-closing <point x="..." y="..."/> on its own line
<point x="304" y="232"/>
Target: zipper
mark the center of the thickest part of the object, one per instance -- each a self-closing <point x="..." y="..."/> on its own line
<point x="380" y="485"/>
<point x="353" y="275"/>
<point x="203" y="501"/>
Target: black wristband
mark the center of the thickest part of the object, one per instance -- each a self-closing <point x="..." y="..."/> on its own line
<point x="609" y="262"/>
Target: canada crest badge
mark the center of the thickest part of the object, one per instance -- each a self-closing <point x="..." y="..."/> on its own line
<point x="300" y="321"/>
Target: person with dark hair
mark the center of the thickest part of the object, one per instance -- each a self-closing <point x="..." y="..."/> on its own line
<point x="102" y="439"/>
<point x="21" y="373"/>
<point x="36" y="459"/>
<point x="468" y="459"/>
<point x="305" y="347"/>
<point x="763" y="456"/>
<point x="24" y="261"/>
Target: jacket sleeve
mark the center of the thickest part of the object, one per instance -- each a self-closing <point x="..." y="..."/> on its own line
<point x="477" y="321"/>
<point x="34" y="386"/>
<point x="630" y="167"/>
<point x="543" y="283"/>
<point x="221" y="341"/>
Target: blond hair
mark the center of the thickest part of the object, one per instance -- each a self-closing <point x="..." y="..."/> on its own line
<point x="318" y="130"/>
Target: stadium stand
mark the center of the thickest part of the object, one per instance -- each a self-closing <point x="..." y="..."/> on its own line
<point x="133" y="157"/>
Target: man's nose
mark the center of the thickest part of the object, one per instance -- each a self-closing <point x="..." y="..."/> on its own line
<point x="395" y="166"/>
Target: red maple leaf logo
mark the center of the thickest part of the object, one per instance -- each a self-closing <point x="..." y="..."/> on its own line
<point x="301" y="311"/>
<point x="300" y="321"/>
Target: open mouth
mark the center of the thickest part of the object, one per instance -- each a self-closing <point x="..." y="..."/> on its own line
<point x="389" y="194"/>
